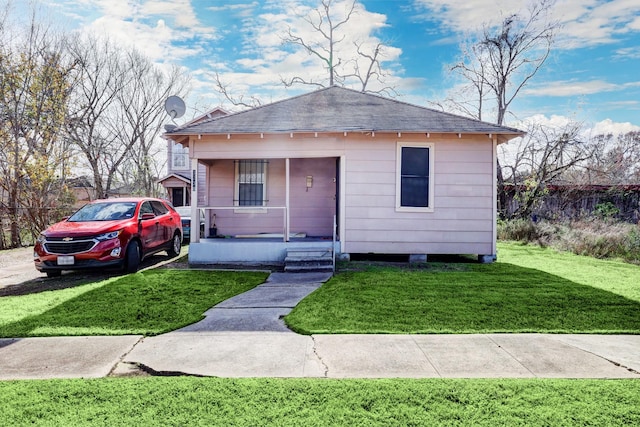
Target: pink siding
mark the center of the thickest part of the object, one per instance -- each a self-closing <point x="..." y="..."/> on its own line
<point x="311" y="211"/>
<point x="462" y="220"/>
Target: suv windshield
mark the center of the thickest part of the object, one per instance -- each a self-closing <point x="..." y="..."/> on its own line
<point x="108" y="211"/>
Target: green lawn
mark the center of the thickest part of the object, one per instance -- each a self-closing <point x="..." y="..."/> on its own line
<point x="148" y="303"/>
<point x="312" y="402"/>
<point x="529" y="290"/>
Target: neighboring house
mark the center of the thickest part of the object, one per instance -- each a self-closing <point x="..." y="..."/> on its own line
<point x="177" y="183"/>
<point x="82" y="189"/>
<point x="375" y="174"/>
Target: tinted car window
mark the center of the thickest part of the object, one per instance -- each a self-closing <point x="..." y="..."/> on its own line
<point x="146" y="208"/>
<point x="159" y="208"/>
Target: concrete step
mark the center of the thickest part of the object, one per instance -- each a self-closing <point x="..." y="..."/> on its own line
<point x="308" y="259"/>
<point x="309" y="252"/>
<point x="293" y="259"/>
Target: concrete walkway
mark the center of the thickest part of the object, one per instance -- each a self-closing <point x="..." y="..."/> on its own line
<point x="246" y="337"/>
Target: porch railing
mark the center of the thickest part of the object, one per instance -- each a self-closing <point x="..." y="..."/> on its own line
<point x="333" y="246"/>
<point x="285" y="228"/>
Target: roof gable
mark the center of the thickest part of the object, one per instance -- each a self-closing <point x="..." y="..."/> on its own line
<point x="338" y="109"/>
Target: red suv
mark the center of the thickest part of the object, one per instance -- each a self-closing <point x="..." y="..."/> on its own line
<point x="111" y="232"/>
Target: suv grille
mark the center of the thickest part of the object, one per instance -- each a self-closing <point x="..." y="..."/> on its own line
<point x="69" y="247"/>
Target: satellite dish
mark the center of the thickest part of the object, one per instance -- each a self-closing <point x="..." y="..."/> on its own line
<point x="174" y="105"/>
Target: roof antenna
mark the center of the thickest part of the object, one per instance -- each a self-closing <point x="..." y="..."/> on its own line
<point x="175" y="108"/>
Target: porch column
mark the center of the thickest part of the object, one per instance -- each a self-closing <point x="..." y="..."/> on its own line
<point x="494" y="195"/>
<point x="342" y="205"/>
<point x="185" y="193"/>
<point x="195" y="218"/>
<point x="286" y="201"/>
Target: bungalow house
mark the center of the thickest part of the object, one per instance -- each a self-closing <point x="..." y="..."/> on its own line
<point x="345" y="172"/>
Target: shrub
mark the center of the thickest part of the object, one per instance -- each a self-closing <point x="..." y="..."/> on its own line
<point x="600" y="238"/>
<point x="521" y="230"/>
<point x="606" y="210"/>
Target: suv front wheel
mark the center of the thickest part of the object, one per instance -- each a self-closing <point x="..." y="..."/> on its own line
<point x="176" y="243"/>
<point x="132" y="261"/>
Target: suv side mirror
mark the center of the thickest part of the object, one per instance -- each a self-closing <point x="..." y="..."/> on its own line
<point x="146" y="216"/>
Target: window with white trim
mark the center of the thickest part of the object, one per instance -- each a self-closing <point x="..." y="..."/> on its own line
<point x="414" y="181"/>
<point x="251" y="183"/>
<point x="179" y="157"/>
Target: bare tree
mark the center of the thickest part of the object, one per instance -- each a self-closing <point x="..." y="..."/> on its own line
<point x="118" y="109"/>
<point x="142" y="114"/>
<point x="363" y="67"/>
<point x="326" y="24"/>
<point x="34" y="91"/>
<point x="238" y="101"/>
<point x="615" y="161"/>
<point x="345" y="60"/>
<point x="544" y="156"/>
<point x="100" y="77"/>
<point x="501" y="61"/>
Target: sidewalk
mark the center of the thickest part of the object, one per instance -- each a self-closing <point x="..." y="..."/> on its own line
<point x="246" y="337"/>
<point x="285" y="354"/>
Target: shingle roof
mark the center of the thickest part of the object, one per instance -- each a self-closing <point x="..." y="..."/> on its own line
<point x="337" y="109"/>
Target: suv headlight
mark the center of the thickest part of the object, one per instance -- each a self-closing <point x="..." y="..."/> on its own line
<point x="41" y="239"/>
<point x="108" y="236"/>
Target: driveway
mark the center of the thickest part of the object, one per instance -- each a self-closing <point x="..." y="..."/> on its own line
<point x="16" y="266"/>
<point x="18" y="275"/>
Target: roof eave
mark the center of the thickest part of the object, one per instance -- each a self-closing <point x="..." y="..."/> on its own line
<point x="502" y="136"/>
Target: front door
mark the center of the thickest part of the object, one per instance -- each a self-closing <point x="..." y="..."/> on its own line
<point x="177" y="196"/>
<point x="313" y="194"/>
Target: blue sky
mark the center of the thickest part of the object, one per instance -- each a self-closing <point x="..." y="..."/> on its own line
<point x="593" y="74"/>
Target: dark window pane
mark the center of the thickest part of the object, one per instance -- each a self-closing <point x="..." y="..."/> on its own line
<point x="250" y="194"/>
<point x="415" y="161"/>
<point x="159" y="208"/>
<point x="146" y="208"/>
<point x="415" y="192"/>
<point x="414" y="178"/>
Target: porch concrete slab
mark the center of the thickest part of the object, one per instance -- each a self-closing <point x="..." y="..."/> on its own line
<point x="238" y="354"/>
<point x="469" y="356"/>
<point x="270" y="296"/>
<point x="373" y="356"/>
<point x="241" y="319"/>
<point x="549" y="357"/>
<point x="62" y="357"/>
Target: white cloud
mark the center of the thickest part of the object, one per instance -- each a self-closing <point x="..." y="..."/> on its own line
<point x="160" y="29"/>
<point x="628" y="53"/>
<point x="180" y="10"/>
<point x="559" y="122"/>
<point x="608" y="126"/>
<point x="584" y="22"/>
<point x="563" y="88"/>
<point x="266" y="60"/>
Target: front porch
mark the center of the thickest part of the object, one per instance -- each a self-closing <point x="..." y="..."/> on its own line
<point x="268" y="251"/>
<point x="261" y="211"/>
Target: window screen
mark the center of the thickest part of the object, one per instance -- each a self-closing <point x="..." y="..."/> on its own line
<point x="414" y="177"/>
